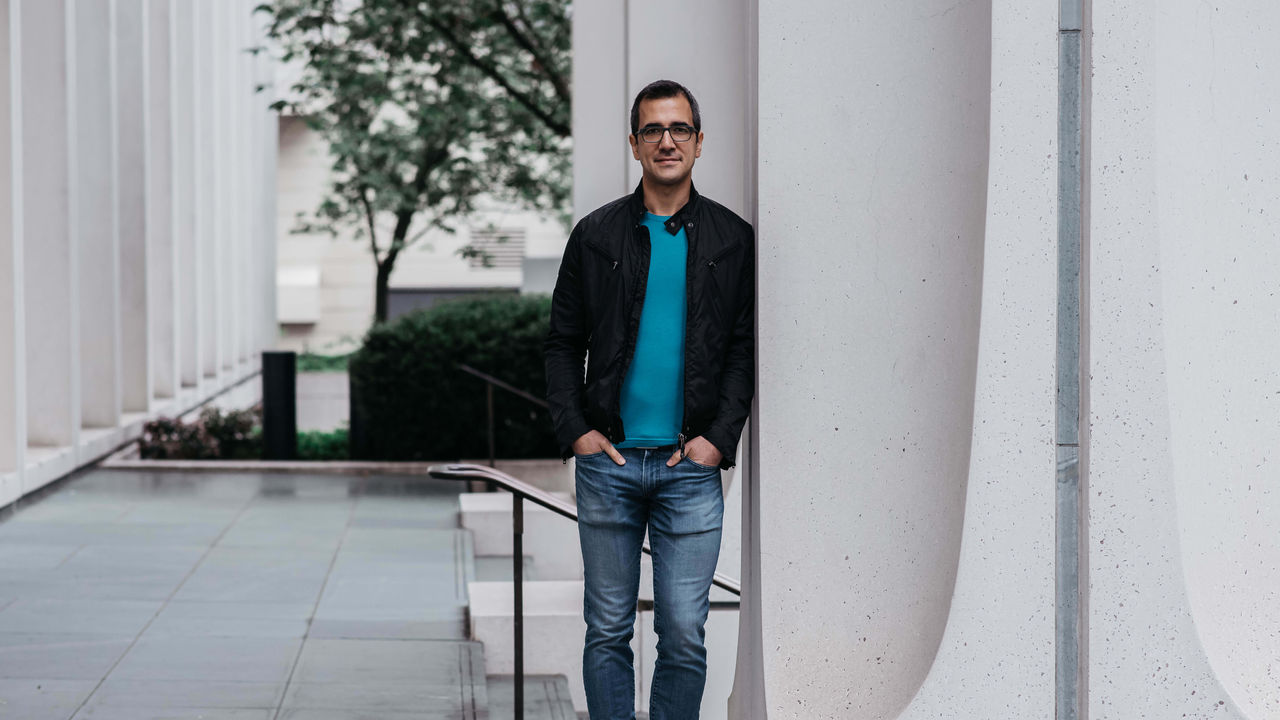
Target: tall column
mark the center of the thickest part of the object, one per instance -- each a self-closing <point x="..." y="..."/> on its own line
<point x="207" y="209"/>
<point x="186" y="202"/>
<point x="51" y="277"/>
<point x="872" y="210"/>
<point x="97" y="193"/>
<point x="223" y="119"/>
<point x="135" y="325"/>
<point x="161" y="235"/>
<point x="1182" y="503"/>
<point x="13" y="432"/>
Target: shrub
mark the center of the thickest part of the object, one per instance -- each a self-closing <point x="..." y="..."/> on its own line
<point x="413" y="402"/>
<point x="320" y="445"/>
<point x="312" y="362"/>
<point x="234" y="435"/>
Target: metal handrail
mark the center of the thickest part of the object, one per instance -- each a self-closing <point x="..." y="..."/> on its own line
<point x="520" y="491"/>
<point x="490" y="383"/>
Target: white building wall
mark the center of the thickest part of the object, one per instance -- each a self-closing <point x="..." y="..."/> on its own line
<point x="345" y="265"/>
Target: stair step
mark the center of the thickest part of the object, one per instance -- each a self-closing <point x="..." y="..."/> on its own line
<point x="498" y="569"/>
<point x="546" y="697"/>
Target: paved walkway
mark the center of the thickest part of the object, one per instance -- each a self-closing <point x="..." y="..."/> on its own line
<point x="141" y="596"/>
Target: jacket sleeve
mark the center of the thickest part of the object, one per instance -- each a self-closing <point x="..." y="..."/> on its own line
<point x="565" y="348"/>
<point x="737" y="376"/>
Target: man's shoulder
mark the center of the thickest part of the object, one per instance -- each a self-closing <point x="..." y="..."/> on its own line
<point x="609" y="212"/>
<point x="722" y="214"/>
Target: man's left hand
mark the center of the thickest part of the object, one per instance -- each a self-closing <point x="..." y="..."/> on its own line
<point x="699" y="450"/>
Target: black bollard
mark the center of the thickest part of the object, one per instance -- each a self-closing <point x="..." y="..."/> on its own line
<point x="279" y="405"/>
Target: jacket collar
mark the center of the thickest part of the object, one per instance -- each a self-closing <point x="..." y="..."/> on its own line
<point x="683" y="216"/>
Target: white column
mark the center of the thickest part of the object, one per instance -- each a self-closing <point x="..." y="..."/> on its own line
<point x="186" y="203"/>
<point x="135" y="328"/>
<point x="95" y="126"/>
<point x="161" y="186"/>
<point x="996" y="659"/>
<point x="206" y="148"/>
<point x="13" y="432"/>
<point x="600" y="155"/>
<point x="223" y="118"/>
<point x="1185" y="316"/>
<point x="873" y="143"/>
<point x="51" y="279"/>
<point x="242" y="273"/>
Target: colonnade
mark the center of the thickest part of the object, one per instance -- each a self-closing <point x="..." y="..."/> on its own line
<point x="137" y="231"/>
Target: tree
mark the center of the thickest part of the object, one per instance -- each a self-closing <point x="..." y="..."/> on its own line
<point x="426" y="106"/>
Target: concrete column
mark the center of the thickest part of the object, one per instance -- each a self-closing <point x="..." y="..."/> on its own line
<point x="872" y="212"/>
<point x="51" y="277"/>
<point x="207" y="150"/>
<point x="13" y="429"/>
<point x="996" y="659"/>
<point x="1182" y="506"/>
<point x="99" y="241"/>
<point x="223" y="118"/>
<point x="600" y="157"/>
<point x="135" y="326"/>
<point x="716" y="79"/>
<point x="186" y="203"/>
<point x="243" y="272"/>
<point x="161" y="188"/>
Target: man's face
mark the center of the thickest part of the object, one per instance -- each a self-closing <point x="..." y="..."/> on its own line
<point x="666" y="162"/>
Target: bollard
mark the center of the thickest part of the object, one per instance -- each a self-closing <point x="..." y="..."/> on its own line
<point x="279" y="405"/>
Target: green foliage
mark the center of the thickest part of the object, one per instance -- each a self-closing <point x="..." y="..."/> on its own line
<point x="314" y="362"/>
<point x="416" y="404"/>
<point x="320" y="445"/>
<point x="234" y="435"/>
<point x="427" y="105"/>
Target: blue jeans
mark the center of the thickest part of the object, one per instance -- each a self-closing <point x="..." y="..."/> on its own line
<point x="682" y="507"/>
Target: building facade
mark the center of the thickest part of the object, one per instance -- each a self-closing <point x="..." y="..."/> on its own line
<point x="137" y="255"/>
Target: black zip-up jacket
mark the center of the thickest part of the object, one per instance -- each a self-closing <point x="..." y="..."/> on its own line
<point x="596" y="307"/>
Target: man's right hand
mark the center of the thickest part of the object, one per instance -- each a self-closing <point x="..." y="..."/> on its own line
<point x="594" y="442"/>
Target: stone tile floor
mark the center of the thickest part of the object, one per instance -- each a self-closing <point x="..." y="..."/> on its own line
<point x="149" y="596"/>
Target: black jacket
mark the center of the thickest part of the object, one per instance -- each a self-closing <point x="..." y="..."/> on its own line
<point x="596" y="307"/>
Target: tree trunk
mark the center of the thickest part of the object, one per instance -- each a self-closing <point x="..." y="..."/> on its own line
<point x="380" y="290"/>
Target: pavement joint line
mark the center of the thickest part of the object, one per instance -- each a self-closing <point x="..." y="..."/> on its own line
<point x="75" y="552"/>
<point x="351" y="514"/>
<point x="162" y="607"/>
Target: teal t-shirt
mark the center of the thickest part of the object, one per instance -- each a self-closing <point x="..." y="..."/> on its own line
<point x="653" y="390"/>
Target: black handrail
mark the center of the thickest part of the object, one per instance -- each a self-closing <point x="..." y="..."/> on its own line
<point x="519" y="492"/>
<point x="490" y="383"/>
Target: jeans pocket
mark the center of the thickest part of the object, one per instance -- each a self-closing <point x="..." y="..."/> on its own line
<point x="699" y="465"/>
<point x="588" y="456"/>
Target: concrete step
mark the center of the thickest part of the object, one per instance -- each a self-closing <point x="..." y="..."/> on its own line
<point x="546" y="697"/>
<point x="497" y="568"/>
<point x="553" y="630"/>
<point x="550" y="540"/>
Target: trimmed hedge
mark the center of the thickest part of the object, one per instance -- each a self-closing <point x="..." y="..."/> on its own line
<point x="414" y="404"/>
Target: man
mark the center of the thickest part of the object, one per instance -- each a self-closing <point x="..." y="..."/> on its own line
<point x="659" y="287"/>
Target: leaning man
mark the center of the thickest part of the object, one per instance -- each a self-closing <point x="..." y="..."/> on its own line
<point x="656" y="294"/>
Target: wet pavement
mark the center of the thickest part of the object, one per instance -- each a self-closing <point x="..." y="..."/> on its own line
<point x="149" y="595"/>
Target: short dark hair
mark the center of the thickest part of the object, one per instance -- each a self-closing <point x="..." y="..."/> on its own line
<point x="657" y="90"/>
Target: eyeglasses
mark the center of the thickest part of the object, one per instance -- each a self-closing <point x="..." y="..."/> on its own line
<point x="679" y="133"/>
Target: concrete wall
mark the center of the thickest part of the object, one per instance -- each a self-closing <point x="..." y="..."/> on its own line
<point x="1183" y="510"/>
<point x="98" y="329"/>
